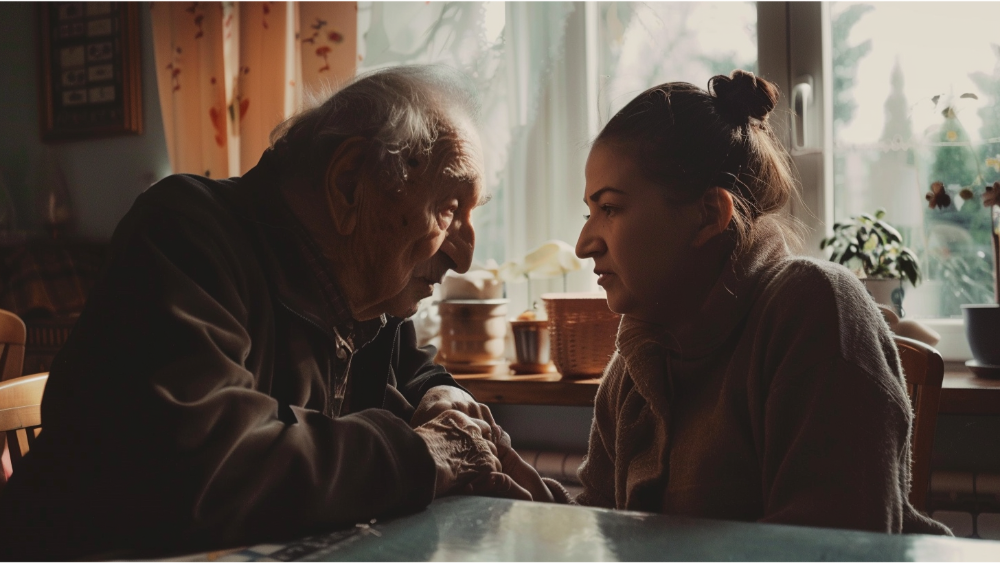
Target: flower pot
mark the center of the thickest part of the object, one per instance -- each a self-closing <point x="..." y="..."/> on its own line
<point x="982" y="327"/>
<point x="888" y="292"/>
<point x="472" y="335"/>
<point x="531" y="344"/>
<point x="583" y="331"/>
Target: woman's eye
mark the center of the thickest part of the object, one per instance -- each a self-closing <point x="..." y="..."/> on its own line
<point x="608" y="211"/>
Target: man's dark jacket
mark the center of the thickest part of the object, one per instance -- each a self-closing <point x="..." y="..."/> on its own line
<point x="186" y="409"/>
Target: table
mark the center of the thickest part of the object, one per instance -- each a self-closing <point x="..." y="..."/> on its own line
<point x="961" y="392"/>
<point x="485" y="529"/>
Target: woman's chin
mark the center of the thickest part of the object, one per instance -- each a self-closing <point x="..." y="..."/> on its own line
<point x="618" y="303"/>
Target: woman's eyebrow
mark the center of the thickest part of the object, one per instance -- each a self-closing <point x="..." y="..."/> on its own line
<point x="597" y="195"/>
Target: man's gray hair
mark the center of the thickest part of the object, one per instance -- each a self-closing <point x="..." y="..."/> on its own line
<point x="401" y="109"/>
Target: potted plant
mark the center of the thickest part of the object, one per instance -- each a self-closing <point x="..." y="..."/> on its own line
<point x="874" y="250"/>
<point x="982" y="320"/>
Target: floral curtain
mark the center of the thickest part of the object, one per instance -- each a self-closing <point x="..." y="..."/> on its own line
<point x="228" y="73"/>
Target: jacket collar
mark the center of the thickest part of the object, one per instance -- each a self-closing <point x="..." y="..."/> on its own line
<point x="727" y="304"/>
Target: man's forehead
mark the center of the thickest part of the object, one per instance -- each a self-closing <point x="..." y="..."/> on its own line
<point x="459" y="156"/>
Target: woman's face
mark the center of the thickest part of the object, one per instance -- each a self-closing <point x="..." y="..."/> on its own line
<point x="643" y="247"/>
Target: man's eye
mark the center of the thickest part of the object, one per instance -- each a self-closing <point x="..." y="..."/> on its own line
<point x="586" y="217"/>
<point x="447" y="215"/>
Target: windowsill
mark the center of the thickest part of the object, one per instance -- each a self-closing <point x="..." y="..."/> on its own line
<point x="954" y="347"/>
<point x="962" y="393"/>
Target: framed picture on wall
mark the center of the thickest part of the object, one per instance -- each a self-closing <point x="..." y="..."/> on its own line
<point x="90" y="69"/>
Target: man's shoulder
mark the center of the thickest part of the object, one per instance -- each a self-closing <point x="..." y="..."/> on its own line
<point x="183" y="203"/>
<point x="187" y="192"/>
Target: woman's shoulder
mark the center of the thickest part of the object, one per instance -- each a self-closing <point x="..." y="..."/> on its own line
<point x="798" y="280"/>
<point x="807" y="295"/>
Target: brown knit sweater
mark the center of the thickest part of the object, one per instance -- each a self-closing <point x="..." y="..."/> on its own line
<point x="784" y="403"/>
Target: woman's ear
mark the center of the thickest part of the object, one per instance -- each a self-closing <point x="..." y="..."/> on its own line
<point x="343" y="189"/>
<point x="717" y="212"/>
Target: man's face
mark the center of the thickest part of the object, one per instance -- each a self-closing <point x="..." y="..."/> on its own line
<point x="412" y="238"/>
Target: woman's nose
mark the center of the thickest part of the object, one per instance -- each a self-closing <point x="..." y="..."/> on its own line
<point x="588" y="245"/>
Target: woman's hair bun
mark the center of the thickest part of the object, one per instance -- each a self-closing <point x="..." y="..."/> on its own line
<point x="741" y="95"/>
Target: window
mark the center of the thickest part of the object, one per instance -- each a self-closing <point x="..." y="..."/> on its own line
<point x="915" y="104"/>
<point x="644" y="44"/>
<point x="903" y="95"/>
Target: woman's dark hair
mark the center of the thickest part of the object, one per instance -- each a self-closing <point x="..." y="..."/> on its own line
<point x="690" y="140"/>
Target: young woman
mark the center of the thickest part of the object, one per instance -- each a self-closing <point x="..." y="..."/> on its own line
<point x="748" y="384"/>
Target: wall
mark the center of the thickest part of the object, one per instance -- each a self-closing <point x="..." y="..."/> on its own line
<point x="103" y="175"/>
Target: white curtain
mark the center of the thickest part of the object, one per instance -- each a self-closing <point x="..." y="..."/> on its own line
<point x="509" y="49"/>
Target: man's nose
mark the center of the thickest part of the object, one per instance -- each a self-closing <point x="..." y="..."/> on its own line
<point x="460" y="245"/>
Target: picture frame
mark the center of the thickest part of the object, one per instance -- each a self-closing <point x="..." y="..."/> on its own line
<point x="90" y="70"/>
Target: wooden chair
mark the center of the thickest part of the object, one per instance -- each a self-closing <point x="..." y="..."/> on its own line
<point x="21" y="413"/>
<point x="12" y="338"/>
<point x="923" y="369"/>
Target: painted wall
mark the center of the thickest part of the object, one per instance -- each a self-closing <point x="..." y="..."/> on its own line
<point x="104" y="176"/>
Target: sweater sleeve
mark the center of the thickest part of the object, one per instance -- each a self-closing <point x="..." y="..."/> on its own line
<point x="597" y="474"/>
<point x="177" y="439"/>
<point x="834" y="452"/>
<point x="836" y="417"/>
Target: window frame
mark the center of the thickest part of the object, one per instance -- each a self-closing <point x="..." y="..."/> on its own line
<point x="794" y="41"/>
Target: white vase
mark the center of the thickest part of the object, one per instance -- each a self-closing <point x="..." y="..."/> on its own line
<point x="888" y="292"/>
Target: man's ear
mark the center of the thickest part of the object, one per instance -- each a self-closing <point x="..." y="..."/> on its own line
<point x="717" y="212"/>
<point x="343" y="192"/>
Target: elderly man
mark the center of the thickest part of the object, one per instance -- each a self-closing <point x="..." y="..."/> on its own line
<point x="243" y="372"/>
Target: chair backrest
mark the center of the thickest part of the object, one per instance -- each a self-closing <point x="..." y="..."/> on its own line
<point x="12" y="337"/>
<point x="923" y="369"/>
<point x="21" y="413"/>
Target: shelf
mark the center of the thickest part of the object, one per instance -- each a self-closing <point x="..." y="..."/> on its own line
<point x="539" y="389"/>
<point x="961" y="393"/>
<point x="964" y="393"/>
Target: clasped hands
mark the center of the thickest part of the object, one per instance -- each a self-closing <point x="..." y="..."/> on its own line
<point x="472" y="454"/>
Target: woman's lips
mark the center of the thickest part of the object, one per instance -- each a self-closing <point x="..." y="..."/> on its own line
<point x="603" y="277"/>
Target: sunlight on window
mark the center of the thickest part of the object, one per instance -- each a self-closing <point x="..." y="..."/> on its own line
<point x="494" y="21"/>
<point x="645" y="44"/>
<point x="914" y="104"/>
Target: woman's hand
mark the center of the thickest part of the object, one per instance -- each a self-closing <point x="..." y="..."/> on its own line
<point x="521" y="471"/>
<point x="443" y="398"/>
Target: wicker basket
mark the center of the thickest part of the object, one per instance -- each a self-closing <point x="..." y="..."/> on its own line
<point x="582" y="331"/>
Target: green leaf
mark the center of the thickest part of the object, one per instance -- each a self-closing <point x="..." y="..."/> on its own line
<point x="893" y="234"/>
<point x="851" y="252"/>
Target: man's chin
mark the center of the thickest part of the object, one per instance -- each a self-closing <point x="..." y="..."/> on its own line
<point x="403" y="306"/>
<point x="404" y="312"/>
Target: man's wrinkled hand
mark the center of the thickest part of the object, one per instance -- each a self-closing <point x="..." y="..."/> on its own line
<point x="444" y="398"/>
<point x="462" y="448"/>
